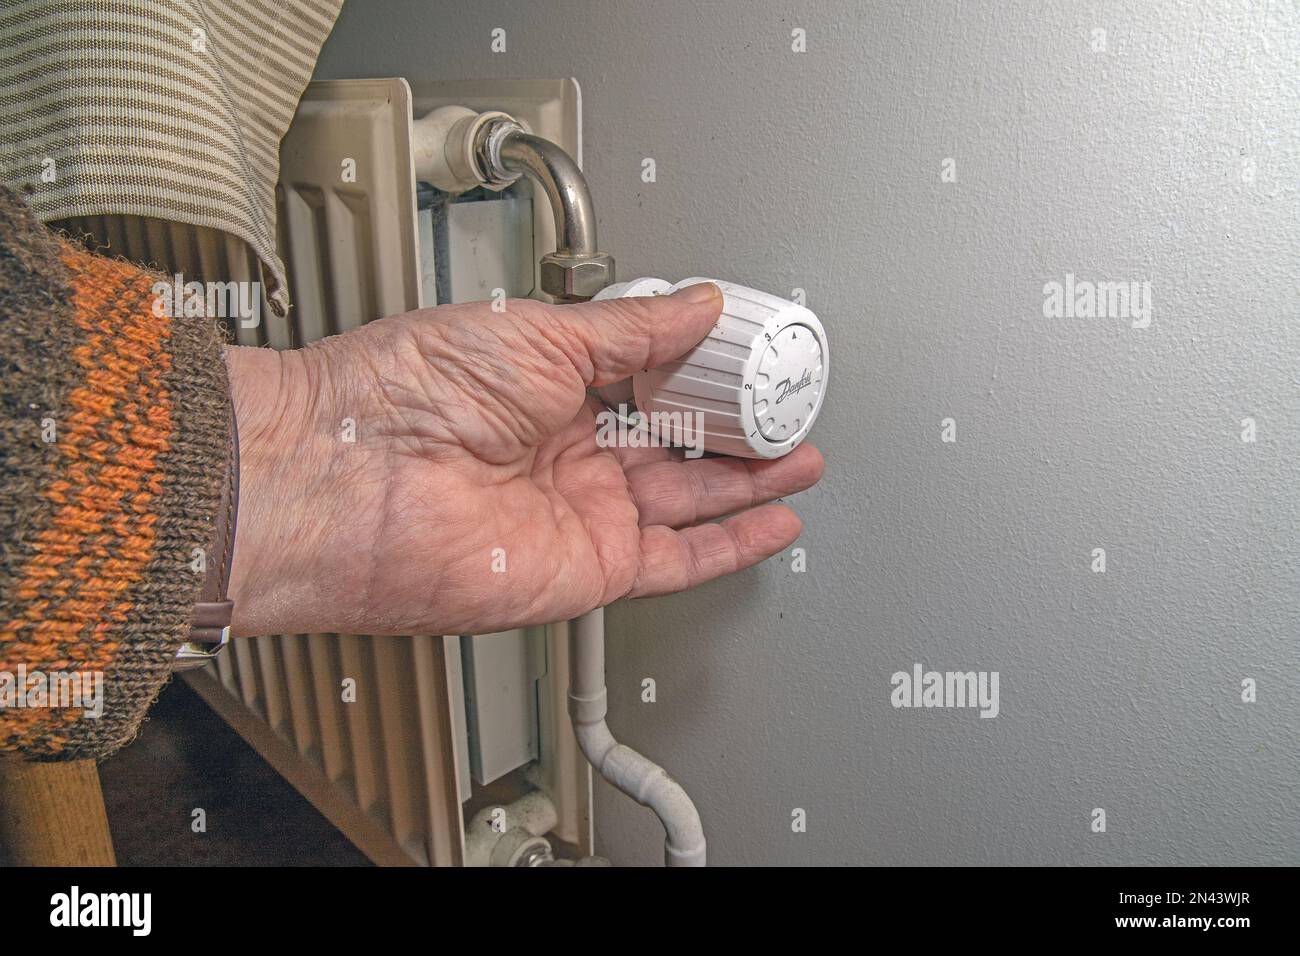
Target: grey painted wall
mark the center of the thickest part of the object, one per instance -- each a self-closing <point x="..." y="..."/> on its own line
<point x="822" y="170"/>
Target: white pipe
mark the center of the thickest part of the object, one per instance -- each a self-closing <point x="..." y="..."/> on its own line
<point x="643" y="780"/>
<point x="442" y="149"/>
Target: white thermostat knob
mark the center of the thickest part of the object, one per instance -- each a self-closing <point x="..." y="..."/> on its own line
<point x="753" y="387"/>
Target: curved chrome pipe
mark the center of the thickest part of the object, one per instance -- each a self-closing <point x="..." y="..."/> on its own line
<point x="577" y="269"/>
<point x="558" y="175"/>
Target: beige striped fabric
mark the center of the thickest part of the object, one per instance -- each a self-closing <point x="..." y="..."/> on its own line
<point x="171" y="109"/>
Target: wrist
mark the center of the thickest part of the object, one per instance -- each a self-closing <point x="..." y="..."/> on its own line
<point x="281" y="405"/>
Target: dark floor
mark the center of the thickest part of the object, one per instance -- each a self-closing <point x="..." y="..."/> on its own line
<point x="188" y="758"/>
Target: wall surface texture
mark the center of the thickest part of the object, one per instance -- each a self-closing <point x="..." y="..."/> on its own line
<point x="1170" y="157"/>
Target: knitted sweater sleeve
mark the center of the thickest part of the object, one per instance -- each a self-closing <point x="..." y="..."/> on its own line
<point x="113" y="438"/>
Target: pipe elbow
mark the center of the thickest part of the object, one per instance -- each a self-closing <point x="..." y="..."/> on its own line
<point x="595" y="741"/>
<point x="651" y="786"/>
<point x="685" y="845"/>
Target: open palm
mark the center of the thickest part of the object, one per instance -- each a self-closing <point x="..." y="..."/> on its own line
<point x="475" y="497"/>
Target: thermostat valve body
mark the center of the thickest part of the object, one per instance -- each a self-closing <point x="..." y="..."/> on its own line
<point x="752" y="388"/>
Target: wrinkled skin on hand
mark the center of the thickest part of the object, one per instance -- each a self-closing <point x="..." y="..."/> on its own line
<point x="438" y="472"/>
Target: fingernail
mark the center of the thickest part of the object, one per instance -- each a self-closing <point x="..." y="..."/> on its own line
<point x="698" y="293"/>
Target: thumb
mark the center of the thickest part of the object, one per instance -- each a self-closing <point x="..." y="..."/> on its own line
<point x="614" y="338"/>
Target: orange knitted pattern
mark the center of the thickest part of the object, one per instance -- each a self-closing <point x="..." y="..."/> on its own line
<point x="100" y="537"/>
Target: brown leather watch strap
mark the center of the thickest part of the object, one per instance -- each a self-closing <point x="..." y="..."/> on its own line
<point x="210" y="629"/>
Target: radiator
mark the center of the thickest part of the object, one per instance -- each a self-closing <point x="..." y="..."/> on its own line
<point x="390" y="769"/>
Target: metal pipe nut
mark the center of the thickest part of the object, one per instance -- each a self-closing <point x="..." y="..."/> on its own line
<point x="575" y="277"/>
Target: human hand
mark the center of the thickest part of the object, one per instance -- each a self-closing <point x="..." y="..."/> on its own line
<point x="473" y="496"/>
